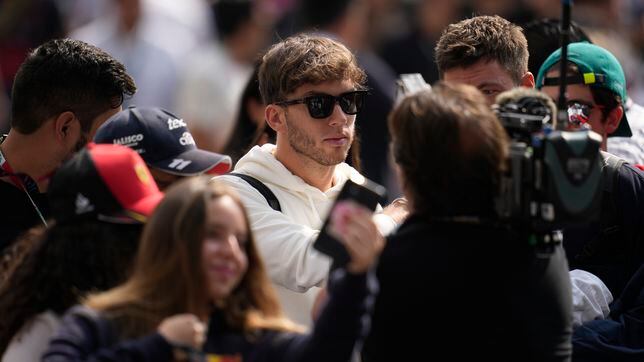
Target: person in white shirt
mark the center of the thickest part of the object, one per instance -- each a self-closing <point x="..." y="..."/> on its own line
<point x="313" y="89"/>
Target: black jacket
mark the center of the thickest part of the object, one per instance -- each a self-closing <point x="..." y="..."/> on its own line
<point x="468" y="293"/>
<point x="87" y="336"/>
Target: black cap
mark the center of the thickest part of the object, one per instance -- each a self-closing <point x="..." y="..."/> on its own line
<point x="163" y="141"/>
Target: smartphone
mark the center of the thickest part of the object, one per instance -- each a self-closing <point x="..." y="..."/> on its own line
<point x="366" y="193"/>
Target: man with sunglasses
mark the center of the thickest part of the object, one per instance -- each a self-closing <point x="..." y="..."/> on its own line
<point x="313" y="89"/>
<point x="613" y="248"/>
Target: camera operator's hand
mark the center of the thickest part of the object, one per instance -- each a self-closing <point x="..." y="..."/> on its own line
<point x="354" y="227"/>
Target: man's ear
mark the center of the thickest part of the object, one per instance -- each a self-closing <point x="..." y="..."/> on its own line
<point x="66" y="127"/>
<point x="527" y="80"/>
<point x="613" y="118"/>
<point x="275" y="118"/>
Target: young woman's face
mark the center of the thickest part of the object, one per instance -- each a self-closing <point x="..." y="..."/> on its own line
<point x="224" y="259"/>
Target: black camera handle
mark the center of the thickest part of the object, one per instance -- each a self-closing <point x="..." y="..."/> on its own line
<point x="562" y="115"/>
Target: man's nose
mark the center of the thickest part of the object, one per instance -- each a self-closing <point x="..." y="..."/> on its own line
<point x="338" y="116"/>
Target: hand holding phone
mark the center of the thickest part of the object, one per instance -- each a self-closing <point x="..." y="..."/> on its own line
<point x="366" y="194"/>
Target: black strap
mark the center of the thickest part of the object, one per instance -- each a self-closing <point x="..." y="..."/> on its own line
<point x="574" y="79"/>
<point x="270" y="197"/>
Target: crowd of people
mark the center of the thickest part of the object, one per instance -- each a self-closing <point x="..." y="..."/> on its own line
<point x="126" y="238"/>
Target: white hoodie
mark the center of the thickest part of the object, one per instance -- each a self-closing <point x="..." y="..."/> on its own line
<point x="285" y="239"/>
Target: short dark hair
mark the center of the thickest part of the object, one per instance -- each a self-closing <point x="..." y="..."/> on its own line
<point x="451" y="149"/>
<point x="483" y="38"/>
<point x="67" y="75"/>
<point x="305" y="59"/>
<point x="543" y="38"/>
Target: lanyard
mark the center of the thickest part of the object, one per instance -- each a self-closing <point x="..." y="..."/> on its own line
<point x="22" y="181"/>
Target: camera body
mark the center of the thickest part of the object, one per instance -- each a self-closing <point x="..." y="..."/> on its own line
<point x="554" y="177"/>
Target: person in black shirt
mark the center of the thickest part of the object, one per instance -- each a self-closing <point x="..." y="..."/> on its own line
<point x="483" y="290"/>
<point x="612" y="247"/>
<point x="62" y="92"/>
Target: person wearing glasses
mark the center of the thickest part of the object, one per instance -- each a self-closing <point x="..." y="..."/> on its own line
<point x="491" y="54"/>
<point x="488" y="289"/>
<point x="313" y="89"/>
<point x="613" y="247"/>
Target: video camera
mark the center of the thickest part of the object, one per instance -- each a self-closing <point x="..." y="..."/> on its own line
<point x="553" y="179"/>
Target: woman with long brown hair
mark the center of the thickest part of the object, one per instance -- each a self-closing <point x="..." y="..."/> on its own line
<point x="198" y="262"/>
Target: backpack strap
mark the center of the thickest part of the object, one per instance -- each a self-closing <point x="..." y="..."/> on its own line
<point x="270" y="197"/>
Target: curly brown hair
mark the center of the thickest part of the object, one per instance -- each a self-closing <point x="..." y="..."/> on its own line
<point x="54" y="269"/>
<point x="305" y="59"/>
<point x="451" y="150"/>
<point x="491" y="38"/>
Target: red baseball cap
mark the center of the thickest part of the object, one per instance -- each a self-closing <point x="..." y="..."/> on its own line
<point x="105" y="182"/>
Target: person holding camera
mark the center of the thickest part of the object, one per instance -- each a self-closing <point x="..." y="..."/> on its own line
<point x="527" y="115"/>
<point x="487" y="288"/>
<point x="612" y="247"/>
<point x="490" y="53"/>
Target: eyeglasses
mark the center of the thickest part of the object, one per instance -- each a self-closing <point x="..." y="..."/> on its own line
<point x="321" y="105"/>
<point x="579" y="113"/>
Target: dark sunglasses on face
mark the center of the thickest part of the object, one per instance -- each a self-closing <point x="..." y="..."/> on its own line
<point x="579" y="113"/>
<point x="321" y="105"/>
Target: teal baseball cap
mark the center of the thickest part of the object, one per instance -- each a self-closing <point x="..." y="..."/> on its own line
<point x="598" y="68"/>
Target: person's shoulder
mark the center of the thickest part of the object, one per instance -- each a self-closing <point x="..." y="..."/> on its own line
<point x="31" y="341"/>
<point x="618" y="169"/>
<point x="44" y="323"/>
<point x="82" y="323"/>
<point x="8" y="190"/>
<point x="631" y="175"/>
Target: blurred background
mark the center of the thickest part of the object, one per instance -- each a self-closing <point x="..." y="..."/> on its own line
<point x="195" y="57"/>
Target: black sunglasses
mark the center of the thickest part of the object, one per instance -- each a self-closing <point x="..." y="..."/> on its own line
<point x="321" y="105"/>
<point x="579" y="112"/>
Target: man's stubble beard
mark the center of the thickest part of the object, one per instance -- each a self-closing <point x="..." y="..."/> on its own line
<point x="303" y="144"/>
<point x="83" y="140"/>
